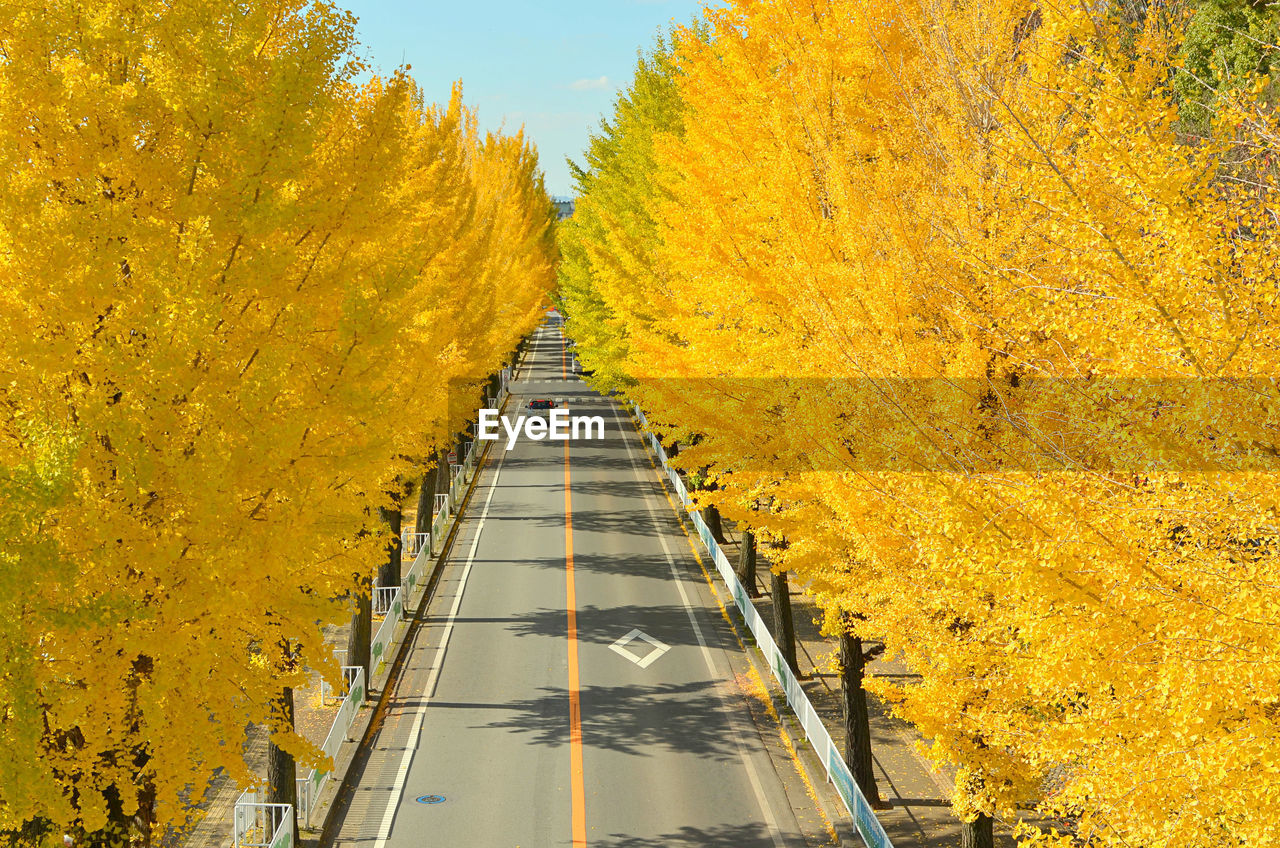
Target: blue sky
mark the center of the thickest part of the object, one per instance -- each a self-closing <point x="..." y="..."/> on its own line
<point x="553" y="67"/>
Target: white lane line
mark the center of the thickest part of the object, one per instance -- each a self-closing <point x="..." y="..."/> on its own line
<point x="397" y="788"/>
<point x="752" y="777"/>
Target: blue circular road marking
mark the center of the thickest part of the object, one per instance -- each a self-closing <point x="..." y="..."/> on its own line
<point x="430" y="799"/>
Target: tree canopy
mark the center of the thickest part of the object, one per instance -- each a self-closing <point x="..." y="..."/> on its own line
<point x="962" y="311"/>
<point x="236" y="284"/>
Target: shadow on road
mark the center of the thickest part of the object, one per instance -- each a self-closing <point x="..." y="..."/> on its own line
<point x="752" y="835"/>
<point x="639" y="720"/>
<point x="668" y="623"/>
<point x="610" y="522"/>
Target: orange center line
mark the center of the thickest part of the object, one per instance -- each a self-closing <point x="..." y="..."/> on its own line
<point x="578" y="786"/>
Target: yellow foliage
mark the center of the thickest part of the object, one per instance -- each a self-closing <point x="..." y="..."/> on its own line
<point x="957" y="309"/>
<point x="237" y="289"/>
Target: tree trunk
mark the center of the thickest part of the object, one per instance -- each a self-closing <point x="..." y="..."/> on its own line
<point x="977" y="833"/>
<point x="426" y="501"/>
<point x="857" y="725"/>
<point x="784" y="629"/>
<point x="145" y="819"/>
<point x="746" y="569"/>
<point x="442" y="472"/>
<point x="389" y="571"/>
<point x="711" y="516"/>
<point x="282" y="772"/>
<point x="361" y="635"/>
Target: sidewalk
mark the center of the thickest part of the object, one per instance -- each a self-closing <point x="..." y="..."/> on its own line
<point x="919" y="795"/>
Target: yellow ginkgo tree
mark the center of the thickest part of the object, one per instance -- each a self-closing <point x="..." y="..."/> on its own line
<point x="967" y="305"/>
<point x="236" y="284"/>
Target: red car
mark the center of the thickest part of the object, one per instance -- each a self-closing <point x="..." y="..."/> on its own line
<point x="542" y="403"/>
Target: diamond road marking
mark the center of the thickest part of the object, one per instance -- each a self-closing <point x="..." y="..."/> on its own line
<point x="659" y="648"/>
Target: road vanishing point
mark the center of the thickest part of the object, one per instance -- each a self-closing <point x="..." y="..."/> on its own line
<point x="573" y="683"/>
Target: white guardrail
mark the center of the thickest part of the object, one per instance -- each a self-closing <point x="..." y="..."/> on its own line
<point x="261" y="825"/>
<point x="442" y="508"/>
<point x="411" y="542"/>
<point x="384" y="598"/>
<point x="417" y="574"/>
<point x="869" y="827"/>
<point x="340" y="732"/>
<point x="392" y="612"/>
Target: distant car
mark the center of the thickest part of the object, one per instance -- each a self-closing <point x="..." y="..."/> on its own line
<point x="542" y="403"/>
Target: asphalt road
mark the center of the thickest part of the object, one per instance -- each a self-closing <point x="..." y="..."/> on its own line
<point x="520" y="720"/>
